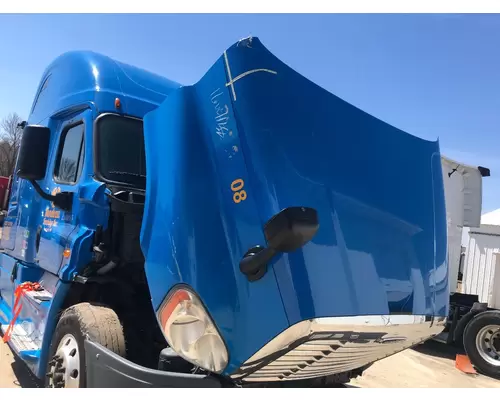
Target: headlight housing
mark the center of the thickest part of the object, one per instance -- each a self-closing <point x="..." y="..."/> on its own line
<point x="190" y="331"/>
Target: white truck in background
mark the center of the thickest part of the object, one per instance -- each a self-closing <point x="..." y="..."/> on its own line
<point x="473" y="323"/>
<point x="463" y="196"/>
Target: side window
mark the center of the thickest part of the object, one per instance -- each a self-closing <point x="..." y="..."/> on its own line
<point x="70" y="155"/>
<point x="44" y="86"/>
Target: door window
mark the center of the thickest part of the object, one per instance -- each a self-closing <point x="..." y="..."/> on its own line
<point x="70" y="157"/>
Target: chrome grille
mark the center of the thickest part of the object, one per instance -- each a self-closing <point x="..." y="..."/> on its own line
<point x="328" y="346"/>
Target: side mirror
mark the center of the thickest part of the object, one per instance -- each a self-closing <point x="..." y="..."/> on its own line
<point x="32" y="163"/>
<point x="34" y="153"/>
<point x="287" y="231"/>
<point x="485" y="172"/>
<point x="291" y="228"/>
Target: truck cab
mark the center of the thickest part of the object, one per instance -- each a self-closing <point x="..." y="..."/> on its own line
<point x="251" y="228"/>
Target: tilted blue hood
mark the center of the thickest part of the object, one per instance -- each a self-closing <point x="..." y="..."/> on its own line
<point x="254" y="137"/>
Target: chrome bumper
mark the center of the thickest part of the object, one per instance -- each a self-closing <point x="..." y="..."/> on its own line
<point x="328" y="346"/>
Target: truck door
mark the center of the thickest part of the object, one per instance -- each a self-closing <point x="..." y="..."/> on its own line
<point x="64" y="174"/>
<point x="8" y="235"/>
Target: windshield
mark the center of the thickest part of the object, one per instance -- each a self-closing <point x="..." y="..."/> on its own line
<point x="120" y="150"/>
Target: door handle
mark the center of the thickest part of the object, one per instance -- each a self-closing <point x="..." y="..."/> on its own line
<point x="13" y="274"/>
<point x="38" y="237"/>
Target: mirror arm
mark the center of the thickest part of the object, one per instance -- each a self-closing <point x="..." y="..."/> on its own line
<point x="254" y="262"/>
<point x="287" y="231"/>
<point x="62" y="200"/>
<point x="42" y="194"/>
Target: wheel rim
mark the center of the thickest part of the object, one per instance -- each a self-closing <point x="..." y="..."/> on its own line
<point x="488" y="344"/>
<point x="64" y="368"/>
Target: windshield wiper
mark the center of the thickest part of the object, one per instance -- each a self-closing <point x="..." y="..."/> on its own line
<point x="127" y="173"/>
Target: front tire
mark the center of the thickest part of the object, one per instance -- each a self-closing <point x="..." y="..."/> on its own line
<point x="100" y="324"/>
<point x="482" y="342"/>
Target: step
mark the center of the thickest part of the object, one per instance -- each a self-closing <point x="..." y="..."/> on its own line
<point x="38" y="296"/>
<point x="20" y="340"/>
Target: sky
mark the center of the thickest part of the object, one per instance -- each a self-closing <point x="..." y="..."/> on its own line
<point x="434" y="76"/>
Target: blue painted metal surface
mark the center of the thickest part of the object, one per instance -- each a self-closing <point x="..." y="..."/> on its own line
<point x="76" y="87"/>
<point x="82" y="77"/>
<point x="378" y="191"/>
<point x="192" y="231"/>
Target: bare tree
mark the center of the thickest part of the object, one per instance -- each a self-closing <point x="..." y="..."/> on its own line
<point x="67" y="170"/>
<point x="10" y="141"/>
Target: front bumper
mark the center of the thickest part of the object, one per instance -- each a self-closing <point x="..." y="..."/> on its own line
<point x="308" y="350"/>
<point x="105" y="369"/>
<point x="335" y="345"/>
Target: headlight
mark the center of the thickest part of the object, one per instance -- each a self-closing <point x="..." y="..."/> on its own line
<point x="190" y="331"/>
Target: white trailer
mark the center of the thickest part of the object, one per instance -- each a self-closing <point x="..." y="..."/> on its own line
<point x="463" y="195"/>
<point x="481" y="275"/>
<point x="474" y="318"/>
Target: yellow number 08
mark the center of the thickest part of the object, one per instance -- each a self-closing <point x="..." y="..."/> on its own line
<point x="239" y="194"/>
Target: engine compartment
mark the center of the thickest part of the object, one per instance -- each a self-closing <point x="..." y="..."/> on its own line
<point x="124" y="229"/>
<point x="116" y="276"/>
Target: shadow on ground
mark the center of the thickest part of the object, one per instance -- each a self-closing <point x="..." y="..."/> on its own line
<point x="24" y="377"/>
<point x="436" y="349"/>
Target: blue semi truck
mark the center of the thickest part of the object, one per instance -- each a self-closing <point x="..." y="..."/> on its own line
<point x="250" y="229"/>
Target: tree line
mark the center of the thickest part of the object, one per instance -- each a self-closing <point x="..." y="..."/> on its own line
<point x="10" y="140"/>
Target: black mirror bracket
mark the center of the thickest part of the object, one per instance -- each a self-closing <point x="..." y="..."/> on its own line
<point x="287" y="231"/>
<point x="63" y="200"/>
<point x="254" y="262"/>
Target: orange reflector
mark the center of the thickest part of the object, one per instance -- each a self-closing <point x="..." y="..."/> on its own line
<point x="178" y="297"/>
<point x="463" y="363"/>
<point x="66" y="253"/>
<point x="118" y="103"/>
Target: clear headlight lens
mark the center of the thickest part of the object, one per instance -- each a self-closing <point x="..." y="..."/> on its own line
<point x="190" y="331"/>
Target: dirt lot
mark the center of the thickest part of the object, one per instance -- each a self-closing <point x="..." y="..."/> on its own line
<point x="429" y="365"/>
